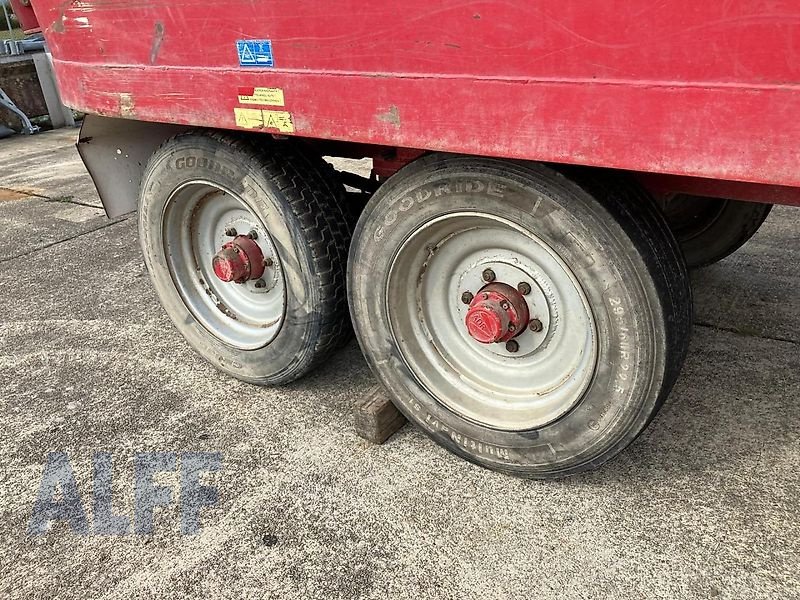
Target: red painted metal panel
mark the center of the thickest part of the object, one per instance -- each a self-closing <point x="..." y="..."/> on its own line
<point x="27" y="18"/>
<point x="696" y="89"/>
<point x="667" y="185"/>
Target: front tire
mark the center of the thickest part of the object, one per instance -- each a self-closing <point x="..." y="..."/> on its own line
<point x="203" y="191"/>
<point x="602" y="279"/>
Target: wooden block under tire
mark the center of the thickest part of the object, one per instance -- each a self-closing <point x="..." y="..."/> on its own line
<point x="376" y="418"/>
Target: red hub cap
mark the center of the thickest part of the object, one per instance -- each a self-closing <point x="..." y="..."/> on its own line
<point x="496" y="314"/>
<point x="239" y="260"/>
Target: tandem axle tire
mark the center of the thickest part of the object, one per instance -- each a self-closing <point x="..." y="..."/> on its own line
<point x="709" y="229"/>
<point x="527" y="322"/>
<point x="246" y="246"/>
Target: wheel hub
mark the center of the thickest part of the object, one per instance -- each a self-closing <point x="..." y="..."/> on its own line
<point x="239" y="260"/>
<point x="206" y="255"/>
<point x="496" y="314"/>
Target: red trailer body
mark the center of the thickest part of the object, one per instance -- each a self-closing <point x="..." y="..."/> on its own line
<point x="706" y="89"/>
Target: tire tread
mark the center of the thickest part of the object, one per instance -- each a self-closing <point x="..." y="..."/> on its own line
<point x="317" y="202"/>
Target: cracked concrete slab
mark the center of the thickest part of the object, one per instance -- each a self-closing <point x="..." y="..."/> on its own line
<point x="705" y="504"/>
<point x="46" y="165"/>
<point x="30" y="223"/>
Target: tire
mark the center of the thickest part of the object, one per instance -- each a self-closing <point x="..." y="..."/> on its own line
<point x="334" y="186"/>
<point x="709" y="229"/>
<point x="607" y="287"/>
<point x="198" y="188"/>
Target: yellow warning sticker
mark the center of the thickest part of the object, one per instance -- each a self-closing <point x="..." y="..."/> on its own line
<point x="261" y="95"/>
<point x="255" y="118"/>
<point x="249" y="118"/>
<point x="279" y="119"/>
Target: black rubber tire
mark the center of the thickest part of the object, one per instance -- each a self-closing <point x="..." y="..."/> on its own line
<point x="336" y="198"/>
<point x="334" y="185"/>
<point x="622" y="252"/>
<point x="303" y="213"/>
<point x="709" y="229"/>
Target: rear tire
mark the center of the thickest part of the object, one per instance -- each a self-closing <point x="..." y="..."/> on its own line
<point x="605" y="279"/>
<point x="199" y="188"/>
<point x="709" y="229"/>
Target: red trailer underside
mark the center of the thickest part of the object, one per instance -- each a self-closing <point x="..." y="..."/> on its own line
<point x="706" y="89"/>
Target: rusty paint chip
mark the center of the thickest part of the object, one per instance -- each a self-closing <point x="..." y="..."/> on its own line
<point x="390" y="116"/>
<point x="126" y="105"/>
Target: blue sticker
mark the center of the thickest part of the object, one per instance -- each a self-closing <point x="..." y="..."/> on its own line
<point x="255" y="53"/>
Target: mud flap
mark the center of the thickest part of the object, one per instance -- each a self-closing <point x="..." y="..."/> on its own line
<point x="115" y="152"/>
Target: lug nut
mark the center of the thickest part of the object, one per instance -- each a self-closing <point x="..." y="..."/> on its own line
<point x="512" y="327"/>
<point x="231" y="232"/>
<point x="535" y="325"/>
<point x="261" y="283"/>
<point x="524" y="288"/>
<point x="467" y="297"/>
<point x="485" y="295"/>
<point x="268" y="262"/>
<point x="512" y="346"/>
<point x="253" y="235"/>
<point x="488" y="275"/>
<point x="504" y="305"/>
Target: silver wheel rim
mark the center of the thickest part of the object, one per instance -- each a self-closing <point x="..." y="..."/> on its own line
<point x="486" y="383"/>
<point x="194" y="224"/>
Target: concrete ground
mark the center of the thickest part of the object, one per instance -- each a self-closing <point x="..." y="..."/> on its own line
<point x="705" y="504"/>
